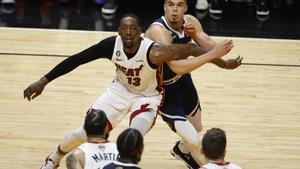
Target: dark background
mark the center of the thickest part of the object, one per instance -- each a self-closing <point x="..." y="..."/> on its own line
<point x="238" y="20"/>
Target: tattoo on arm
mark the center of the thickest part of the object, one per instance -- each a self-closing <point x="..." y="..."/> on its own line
<point x="71" y="161"/>
<point x="185" y="50"/>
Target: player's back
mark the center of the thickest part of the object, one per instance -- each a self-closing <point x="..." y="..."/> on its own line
<point x="99" y="155"/>
<point x="228" y="165"/>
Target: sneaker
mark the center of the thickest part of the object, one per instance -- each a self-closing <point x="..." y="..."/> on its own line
<point x="110" y="7"/>
<point x="216" y="7"/>
<point x="201" y="5"/>
<point x="49" y="164"/>
<point x="262" y="9"/>
<point x="187" y="158"/>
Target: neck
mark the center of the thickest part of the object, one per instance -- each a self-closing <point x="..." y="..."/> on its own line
<point x="127" y="160"/>
<point x="218" y="161"/>
<point x="96" y="139"/>
<point x="176" y="26"/>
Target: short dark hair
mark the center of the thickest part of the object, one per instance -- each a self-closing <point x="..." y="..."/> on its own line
<point x="214" y="143"/>
<point x="95" y="122"/>
<point x="186" y="1"/>
<point x="130" y="144"/>
<point x="132" y="16"/>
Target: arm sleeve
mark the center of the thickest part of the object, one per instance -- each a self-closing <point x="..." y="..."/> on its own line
<point x="103" y="49"/>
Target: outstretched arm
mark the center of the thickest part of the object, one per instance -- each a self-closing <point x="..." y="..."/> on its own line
<point x="164" y="53"/>
<point x="195" y="30"/>
<point x="193" y="63"/>
<point x="103" y="49"/>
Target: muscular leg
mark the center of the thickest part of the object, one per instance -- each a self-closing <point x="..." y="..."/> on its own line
<point x="190" y="141"/>
<point x="69" y="143"/>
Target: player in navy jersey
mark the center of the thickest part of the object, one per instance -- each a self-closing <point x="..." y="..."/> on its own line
<point x="181" y="109"/>
<point x="137" y="86"/>
<point x="130" y="144"/>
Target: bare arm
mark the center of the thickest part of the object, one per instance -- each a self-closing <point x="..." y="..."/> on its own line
<point x="75" y="160"/>
<point x="195" y="30"/>
<point x="160" y="53"/>
<point x="220" y="50"/>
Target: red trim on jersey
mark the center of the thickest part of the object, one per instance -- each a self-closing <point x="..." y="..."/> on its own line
<point x="159" y="79"/>
<point x="221" y="163"/>
<point x="110" y="127"/>
<point x="97" y="142"/>
<point x="160" y="88"/>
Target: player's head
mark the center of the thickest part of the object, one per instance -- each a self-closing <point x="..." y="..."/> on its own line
<point x="130" y="30"/>
<point x="130" y="145"/>
<point x="174" y="10"/>
<point x="95" y="124"/>
<point x="214" y="144"/>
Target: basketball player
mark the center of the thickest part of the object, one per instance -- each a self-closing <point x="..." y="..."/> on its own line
<point x="137" y="86"/>
<point x="130" y="146"/>
<point x="181" y="108"/>
<point x="214" y="149"/>
<point x="98" y="151"/>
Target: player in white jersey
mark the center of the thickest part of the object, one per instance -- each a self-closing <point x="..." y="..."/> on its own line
<point x="136" y="88"/>
<point x="214" y="149"/>
<point x="98" y="151"/>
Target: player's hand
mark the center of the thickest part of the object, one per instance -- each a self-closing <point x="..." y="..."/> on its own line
<point x="189" y="29"/>
<point x="233" y="63"/>
<point x="35" y="89"/>
<point x="223" y="48"/>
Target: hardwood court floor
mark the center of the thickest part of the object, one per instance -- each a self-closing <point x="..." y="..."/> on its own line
<point x="258" y="105"/>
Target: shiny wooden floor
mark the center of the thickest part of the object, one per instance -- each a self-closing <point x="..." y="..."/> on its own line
<point x="258" y="105"/>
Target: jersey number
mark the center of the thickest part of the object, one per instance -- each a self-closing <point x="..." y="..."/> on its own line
<point x="136" y="81"/>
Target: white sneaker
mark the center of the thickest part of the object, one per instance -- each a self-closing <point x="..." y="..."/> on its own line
<point x="201" y="5"/>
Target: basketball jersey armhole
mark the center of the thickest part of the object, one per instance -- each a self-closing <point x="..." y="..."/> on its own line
<point x="152" y="65"/>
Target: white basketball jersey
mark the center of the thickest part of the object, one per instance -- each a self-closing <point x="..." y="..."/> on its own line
<point x="99" y="155"/>
<point x="135" y="73"/>
<point x="221" y="166"/>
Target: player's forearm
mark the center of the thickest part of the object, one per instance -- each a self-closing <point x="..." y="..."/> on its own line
<point x="190" y="64"/>
<point x="182" y="51"/>
<point x="219" y="62"/>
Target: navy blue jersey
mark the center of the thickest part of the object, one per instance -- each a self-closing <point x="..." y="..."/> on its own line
<point x="121" y="165"/>
<point x="178" y="38"/>
<point x="181" y="97"/>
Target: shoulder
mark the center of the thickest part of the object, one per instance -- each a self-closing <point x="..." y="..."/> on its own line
<point x="154" y="28"/>
<point x="75" y="158"/>
<point x="235" y="166"/>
